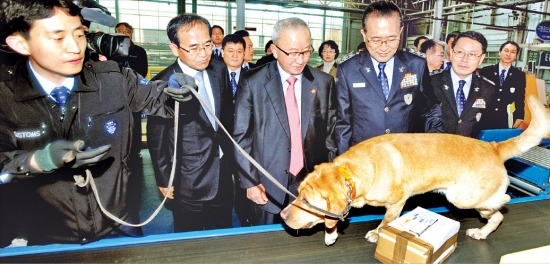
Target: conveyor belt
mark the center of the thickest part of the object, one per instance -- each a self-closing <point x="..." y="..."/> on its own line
<point x="524" y="187"/>
<point x="526" y="225"/>
<point x="537" y="155"/>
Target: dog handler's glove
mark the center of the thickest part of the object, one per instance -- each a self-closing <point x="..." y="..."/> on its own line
<point x="62" y="153"/>
<point x="179" y="85"/>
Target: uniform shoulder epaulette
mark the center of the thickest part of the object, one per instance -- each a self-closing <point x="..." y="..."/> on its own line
<point x="417" y="53"/>
<point x="438" y="71"/>
<point x="485" y="79"/>
<point x="348" y="56"/>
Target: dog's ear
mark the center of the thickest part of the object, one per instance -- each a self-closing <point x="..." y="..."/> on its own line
<point x="334" y="194"/>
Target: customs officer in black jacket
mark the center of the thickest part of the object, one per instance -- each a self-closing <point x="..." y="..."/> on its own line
<point x="62" y="117"/>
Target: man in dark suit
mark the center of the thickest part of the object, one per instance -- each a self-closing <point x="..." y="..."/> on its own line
<point x="383" y="89"/>
<point x="434" y="51"/>
<point x="217" y="34"/>
<point x="464" y="95"/>
<point x="507" y="106"/>
<point x="233" y="47"/>
<point x="284" y="115"/>
<point x="248" y="51"/>
<point x="202" y="190"/>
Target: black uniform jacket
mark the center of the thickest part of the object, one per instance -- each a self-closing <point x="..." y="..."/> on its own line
<point x="99" y="113"/>
<point x="475" y="112"/>
<point x="512" y="91"/>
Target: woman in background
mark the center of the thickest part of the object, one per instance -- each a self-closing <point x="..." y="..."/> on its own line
<point x="328" y="51"/>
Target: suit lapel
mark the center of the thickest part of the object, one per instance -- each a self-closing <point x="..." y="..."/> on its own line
<point x="495" y="77"/>
<point x="509" y="74"/>
<point x="308" y="95"/>
<point x="216" y="89"/>
<point x="399" y="70"/>
<point x="274" y="91"/>
<point x="368" y="71"/>
<point x="448" y="89"/>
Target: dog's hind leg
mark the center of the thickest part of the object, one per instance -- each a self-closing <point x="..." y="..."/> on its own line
<point x="392" y="212"/>
<point x="494" y="218"/>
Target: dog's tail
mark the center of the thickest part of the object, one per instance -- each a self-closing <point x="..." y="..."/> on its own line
<point x="537" y="129"/>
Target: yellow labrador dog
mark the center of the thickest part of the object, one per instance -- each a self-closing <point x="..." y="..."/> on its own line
<point x="387" y="170"/>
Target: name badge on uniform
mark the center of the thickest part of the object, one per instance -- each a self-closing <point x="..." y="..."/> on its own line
<point x="409" y="80"/>
<point x="359" y="85"/>
<point x="479" y="103"/>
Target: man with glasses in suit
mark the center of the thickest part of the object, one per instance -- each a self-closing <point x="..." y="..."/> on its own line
<point x="464" y="94"/>
<point x="203" y="190"/>
<point x="284" y="116"/>
<point x="383" y="89"/>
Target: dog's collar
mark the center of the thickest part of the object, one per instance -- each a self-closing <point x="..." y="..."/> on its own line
<point x="349" y="182"/>
<point x="351" y="195"/>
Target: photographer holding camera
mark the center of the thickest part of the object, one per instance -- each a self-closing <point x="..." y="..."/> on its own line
<point x="62" y="117"/>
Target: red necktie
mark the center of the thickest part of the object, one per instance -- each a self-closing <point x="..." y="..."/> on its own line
<point x="296" y="152"/>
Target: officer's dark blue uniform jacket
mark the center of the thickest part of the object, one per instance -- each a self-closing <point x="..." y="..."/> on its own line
<point x="364" y="112"/>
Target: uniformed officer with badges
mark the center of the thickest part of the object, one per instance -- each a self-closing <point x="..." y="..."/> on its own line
<point x="507" y="106"/>
<point x="464" y="95"/>
<point x="397" y="99"/>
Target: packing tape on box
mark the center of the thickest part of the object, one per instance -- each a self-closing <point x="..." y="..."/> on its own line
<point x="401" y="241"/>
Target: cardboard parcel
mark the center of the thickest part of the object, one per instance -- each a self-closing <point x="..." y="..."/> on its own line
<point x="419" y="236"/>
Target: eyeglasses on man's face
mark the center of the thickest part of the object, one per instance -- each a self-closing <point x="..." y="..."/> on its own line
<point x="377" y="42"/>
<point x="294" y="55"/>
<point x="122" y="31"/>
<point x="470" y="56"/>
<point x="196" y="49"/>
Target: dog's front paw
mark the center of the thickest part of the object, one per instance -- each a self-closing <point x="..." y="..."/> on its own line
<point x="330" y="238"/>
<point x="476" y="233"/>
<point x="372" y="236"/>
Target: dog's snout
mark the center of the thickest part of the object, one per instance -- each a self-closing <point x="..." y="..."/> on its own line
<point x="284" y="213"/>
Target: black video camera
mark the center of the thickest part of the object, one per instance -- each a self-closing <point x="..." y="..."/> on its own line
<point x="112" y="46"/>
